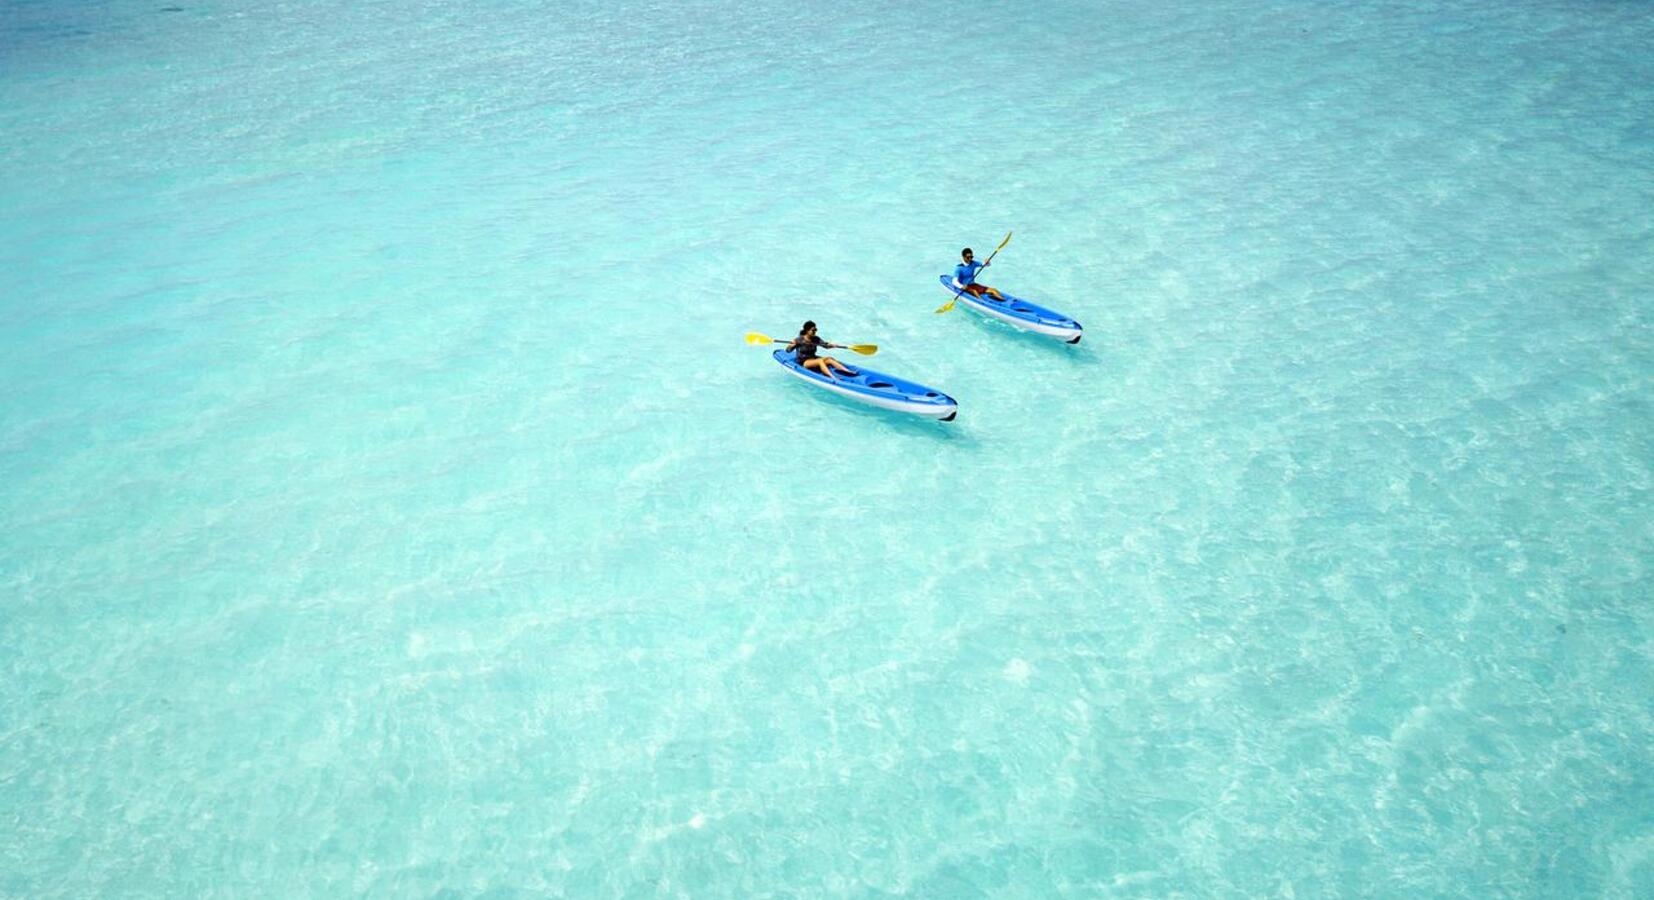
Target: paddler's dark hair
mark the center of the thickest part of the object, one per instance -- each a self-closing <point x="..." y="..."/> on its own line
<point x="964" y="251"/>
<point x="807" y="326"/>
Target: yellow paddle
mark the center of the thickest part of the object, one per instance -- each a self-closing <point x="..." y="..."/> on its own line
<point x="949" y="305"/>
<point x="755" y="338"/>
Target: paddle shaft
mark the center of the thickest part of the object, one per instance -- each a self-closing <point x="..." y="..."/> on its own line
<point x="823" y="343"/>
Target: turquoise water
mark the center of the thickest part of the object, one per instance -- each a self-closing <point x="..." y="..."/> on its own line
<point x="389" y="505"/>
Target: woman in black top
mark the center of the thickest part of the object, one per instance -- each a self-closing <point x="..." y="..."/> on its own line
<point x="804" y="349"/>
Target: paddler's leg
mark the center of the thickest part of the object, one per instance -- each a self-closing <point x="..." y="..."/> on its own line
<point x="841" y="367"/>
<point x="819" y="364"/>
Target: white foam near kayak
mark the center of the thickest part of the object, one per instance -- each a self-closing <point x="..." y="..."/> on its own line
<point x="877" y="389"/>
<point x="1019" y="313"/>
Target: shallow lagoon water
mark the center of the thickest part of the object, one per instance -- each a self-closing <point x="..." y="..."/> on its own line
<point x="389" y="505"/>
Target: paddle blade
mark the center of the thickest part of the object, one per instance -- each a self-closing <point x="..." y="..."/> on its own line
<point x="1003" y="243"/>
<point x="755" y="338"/>
<point x="865" y="349"/>
<point x="946" y="306"/>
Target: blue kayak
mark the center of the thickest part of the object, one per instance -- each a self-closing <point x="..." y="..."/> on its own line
<point x="1019" y="313"/>
<point x="877" y="389"/>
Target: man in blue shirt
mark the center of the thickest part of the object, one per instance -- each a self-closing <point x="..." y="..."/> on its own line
<point x="964" y="277"/>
